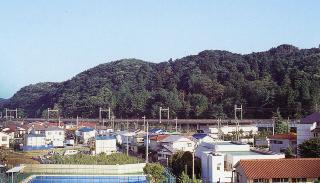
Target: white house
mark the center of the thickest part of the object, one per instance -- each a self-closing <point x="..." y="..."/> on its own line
<point x="306" y="129"/>
<point x="55" y="136"/>
<point x="202" y="137"/>
<point x="34" y="141"/>
<point x="105" y="144"/>
<point x="174" y="143"/>
<point x="280" y="142"/>
<point x="86" y="133"/>
<point x="4" y="140"/>
<point x="218" y="159"/>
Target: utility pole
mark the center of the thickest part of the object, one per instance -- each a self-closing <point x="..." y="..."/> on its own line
<point x="127" y="138"/>
<point x="144" y="123"/>
<point x="77" y="121"/>
<point x="147" y="146"/>
<point x="104" y="110"/>
<point x="236" y="108"/>
<point x="52" y="110"/>
<point x="112" y="122"/>
<point x="273" y="124"/>
<point x="9" y="111"/>
<point x="176" y="124"/>
<point x="165" y="110"/>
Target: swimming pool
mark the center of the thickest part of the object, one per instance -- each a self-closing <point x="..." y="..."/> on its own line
<point x="88" y="179"/>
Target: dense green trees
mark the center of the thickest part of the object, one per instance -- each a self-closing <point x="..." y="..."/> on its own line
<point x="310" y="148"/>
<point x="181" y="162"/>
<point x="206" y="85"/>
<point x="154" y="172"/>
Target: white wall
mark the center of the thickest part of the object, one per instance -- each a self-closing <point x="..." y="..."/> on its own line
<point x="35" y="141"/>
<point x="55" y="137"/>
<point x="107" y="146"/>
<point x="304" y="132"/>
<point x="4" y="140"/>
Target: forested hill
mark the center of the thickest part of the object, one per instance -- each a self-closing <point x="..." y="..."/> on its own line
<point x="206" y="85"/>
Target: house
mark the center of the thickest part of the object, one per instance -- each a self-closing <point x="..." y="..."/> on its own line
<point x="37" y="128"/>
<point x="202" y="137"/>
<point x="103" y="130"/>
<point x="277" y="170"/>
<point x="173" y="144"/>
<point x="137" y="141"/>
<point x="280" y="142"/>
<point x="55" y="136"/>
<point x="155" y="141"/>
<point x="86" y="133"/>
<point x="218" y="158"/>
<point x="4" y="140"/>
<point x="105" y="144"/>
<point x="308" y="127"/>
<point x="35" y="142"/>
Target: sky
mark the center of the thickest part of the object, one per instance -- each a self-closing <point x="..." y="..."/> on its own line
<point x="43" y="40"/>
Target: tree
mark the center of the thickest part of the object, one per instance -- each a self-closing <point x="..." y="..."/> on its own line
<point x="182" y="161"/>
<point x="184" y="178"/>
<point x="310" y="148"/>
<point x="288" y="152"/>
<point x="280" y="125"/>
<point x="154" y="172"/>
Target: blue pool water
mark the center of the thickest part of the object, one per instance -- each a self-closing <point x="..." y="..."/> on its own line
<point x="88" y="179"/>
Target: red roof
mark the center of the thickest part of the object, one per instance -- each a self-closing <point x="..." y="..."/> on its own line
<point x="281" y="168"/>
<point x="159" y="137"/>
<point x="289" y="136"/>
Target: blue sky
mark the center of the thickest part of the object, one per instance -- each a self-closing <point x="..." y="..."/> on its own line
<point x="54" y="40"/>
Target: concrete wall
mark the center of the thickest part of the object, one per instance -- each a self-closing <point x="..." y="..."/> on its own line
<point x="84" y="169"/>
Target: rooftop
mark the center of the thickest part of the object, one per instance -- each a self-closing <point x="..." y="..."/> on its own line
<point x="281" y="168"/>
<point x="314" y="117"/>
<point x="105" y="138"/>
<point x="85" y="129"/>
<point x="54" y="128"/>
<point x="289" y="136"/>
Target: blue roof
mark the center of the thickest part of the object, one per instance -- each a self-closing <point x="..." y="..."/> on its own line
<point x="105" y="138"/>
<point x="155" y="130"/>
<point x="199" y="135"/>
<point x="85" y="129"/>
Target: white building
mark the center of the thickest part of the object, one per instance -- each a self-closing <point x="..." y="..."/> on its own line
<point x="246" y="129"/>
<point x="86" y="133"/>
<point x="174" y="143"/>
<point x="218" y="159"/>
<point x="55" y="136"/>
<point x="307" y="127"/>
<point x="4" y="140"/>
<point x="105" y="144"/>
<point x="34" y="141"/>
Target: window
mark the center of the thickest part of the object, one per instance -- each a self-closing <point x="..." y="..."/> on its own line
<point x="299" y="180"/>
<point x="260" y="180"/>
<point x="4" y="139"/>
<point x="276" y="180"/>
<point x="219" y="166"/>
<point x="189" y="144"/>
